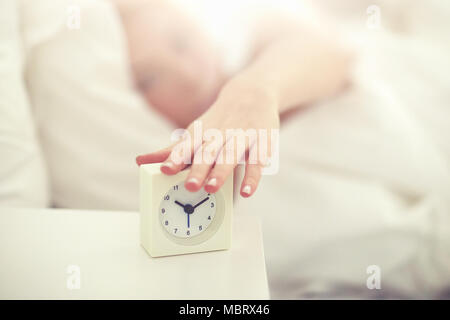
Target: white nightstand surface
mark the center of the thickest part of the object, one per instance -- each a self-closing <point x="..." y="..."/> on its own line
<point x="37" y="246"/>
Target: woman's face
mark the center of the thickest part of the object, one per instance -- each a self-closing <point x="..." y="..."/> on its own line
<point x="175" y="66"/>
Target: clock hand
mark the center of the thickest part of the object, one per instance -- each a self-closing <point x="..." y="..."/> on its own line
<point x="188" y="220"/>
<point x="188" y="209"/>
<point x="179" y="203"/>
<point x="206" y="199"/>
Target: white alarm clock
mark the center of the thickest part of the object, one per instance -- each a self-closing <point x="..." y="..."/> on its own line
<point x="176" y="221"/>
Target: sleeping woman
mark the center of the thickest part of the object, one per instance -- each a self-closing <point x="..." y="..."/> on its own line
<point x="178" y="69"/>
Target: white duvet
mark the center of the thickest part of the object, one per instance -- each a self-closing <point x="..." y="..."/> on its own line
<point x="364" y="178"/>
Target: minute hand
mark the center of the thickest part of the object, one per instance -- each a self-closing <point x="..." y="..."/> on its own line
<point x="206" y="199"/>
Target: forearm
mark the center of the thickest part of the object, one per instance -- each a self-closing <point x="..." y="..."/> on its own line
<point x="297" y="69"/>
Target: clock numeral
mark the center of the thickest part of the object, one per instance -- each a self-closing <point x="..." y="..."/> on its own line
<point x="212" y="204"/>
<point x="209" y="217"/>
<point x="166" y="197"/>
<point x="175" y="187"/>
<point x="200" y="228"/>
<point x="188" y="233"/>
<point x="163" y="210"/>
<point x="166" y="223"/>
<point x="175" y="230"/>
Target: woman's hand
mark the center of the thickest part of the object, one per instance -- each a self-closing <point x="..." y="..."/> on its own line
<point x="294" y="69"/>
<point x="251" y="110"/>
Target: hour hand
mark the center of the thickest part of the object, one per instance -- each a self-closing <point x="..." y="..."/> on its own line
<point x="179" y="203"/>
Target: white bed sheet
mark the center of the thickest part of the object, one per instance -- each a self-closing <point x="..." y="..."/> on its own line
<point x="364" y="179"/>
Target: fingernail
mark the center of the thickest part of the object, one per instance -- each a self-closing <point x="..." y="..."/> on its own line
<point x="247" y="189"/>
<point x="167" y="164"/>
<point x="192" y="181"/>
<point x="212" y="182"/>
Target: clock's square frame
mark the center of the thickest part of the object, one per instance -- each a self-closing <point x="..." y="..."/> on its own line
<point x="157" y="241"/>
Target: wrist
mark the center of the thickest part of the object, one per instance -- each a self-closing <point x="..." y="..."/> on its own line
<point x="249" y="88"/>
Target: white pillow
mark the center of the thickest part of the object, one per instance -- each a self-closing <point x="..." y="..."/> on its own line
<point x="23" y="179"/>
<point x="91" y="121"/>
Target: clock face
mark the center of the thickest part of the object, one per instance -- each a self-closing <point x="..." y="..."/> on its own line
<point x="185" y="214"/>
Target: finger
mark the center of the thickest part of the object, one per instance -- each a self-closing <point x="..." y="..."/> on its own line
<point x="180" y="156"/>
<point x="223" y="167"/>
<point x="218" y="176"/>
<point x="171" y="167"/>
<point x="251" y="179"/>
<point x="204" y="159"/>
<point x="262" y="151"/>
<point x="154" y="157"/>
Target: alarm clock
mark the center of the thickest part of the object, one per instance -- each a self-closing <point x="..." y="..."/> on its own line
<point x="176" y="221"/>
